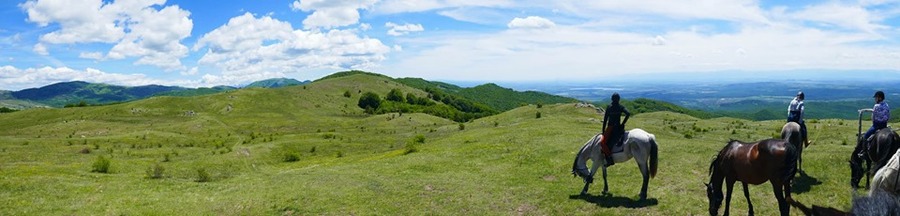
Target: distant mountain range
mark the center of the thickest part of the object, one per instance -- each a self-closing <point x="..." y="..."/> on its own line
<point x="75" y="92"/>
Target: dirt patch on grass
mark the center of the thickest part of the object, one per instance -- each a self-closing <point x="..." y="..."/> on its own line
<point x="549" y="178"/>
<point x="525" y="209"/>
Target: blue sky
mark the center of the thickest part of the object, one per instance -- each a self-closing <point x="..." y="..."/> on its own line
<point x="208" y="43"/>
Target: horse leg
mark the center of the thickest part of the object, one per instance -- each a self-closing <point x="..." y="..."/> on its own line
<point x="783" y="206"/>
<point x="730" y="185"/>
<point x="645" y="172"/>
<point x="605" y="184"/>
<point x="586" y="185"/>
<point x="868" y="172"/>
<point x="747" y="195"/>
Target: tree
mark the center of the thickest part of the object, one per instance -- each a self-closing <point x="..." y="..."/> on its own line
<point x="395" y="95"/>
<point x="369" y="101"/>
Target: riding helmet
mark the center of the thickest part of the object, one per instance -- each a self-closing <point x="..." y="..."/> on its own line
<point x="801" y="95"/>
<point x="615" y="97"/>
<point x="879" y="94"/>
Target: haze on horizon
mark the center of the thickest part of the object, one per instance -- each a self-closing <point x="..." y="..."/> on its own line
<point x="194" y="44"/>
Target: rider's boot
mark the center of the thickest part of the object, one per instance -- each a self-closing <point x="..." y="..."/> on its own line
<point x="609" y="160"/>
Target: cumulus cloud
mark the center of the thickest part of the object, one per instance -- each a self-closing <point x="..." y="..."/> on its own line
<point x="40" y="49"/>
<point x="530" y="22"/>
<point x="15" y="79"/>
<point x="249" y="48"/>
<point x="398" y="30"/>
<point x="137" y="28"/>
<point x="659" y="40"/>
<point x="331" y="13"/>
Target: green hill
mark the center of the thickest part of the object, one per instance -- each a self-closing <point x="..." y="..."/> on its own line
<point x="196" y="92"/>
<point x="501" y="98"/>
<point x="60" y="94"/>
<point x="310" y="150"/>
<point x="275" y="83"/>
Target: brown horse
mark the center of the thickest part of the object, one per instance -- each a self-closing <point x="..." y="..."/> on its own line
<point x="884" y="144"/>
<point x="772" y="160"/>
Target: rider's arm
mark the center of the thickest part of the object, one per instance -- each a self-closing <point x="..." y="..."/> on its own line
<point x="627" y="114"/>
<point x="605" y="118"/>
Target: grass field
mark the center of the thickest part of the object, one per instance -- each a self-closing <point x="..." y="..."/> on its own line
<point x="305" y="150"/>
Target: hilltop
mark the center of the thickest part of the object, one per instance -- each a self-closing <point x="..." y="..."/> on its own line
<point x="276" y="83"/>
<point x="311" y="150"/>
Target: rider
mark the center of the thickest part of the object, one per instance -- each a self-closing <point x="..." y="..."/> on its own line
<point x="612" y="128"/>
<point x="795" y="114"/>
<point x="881" y="113"/>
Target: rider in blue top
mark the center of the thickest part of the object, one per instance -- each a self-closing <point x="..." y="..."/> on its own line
<point x="795" y="114"/>
<point x="881" y="113"/>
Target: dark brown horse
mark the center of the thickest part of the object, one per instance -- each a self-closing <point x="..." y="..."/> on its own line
<point x="884" y="144"/>
<point x="772" y="160"/>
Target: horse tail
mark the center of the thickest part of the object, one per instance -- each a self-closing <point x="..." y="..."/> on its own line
<point x="654" y="160"/>
<point x="790" y="162"/>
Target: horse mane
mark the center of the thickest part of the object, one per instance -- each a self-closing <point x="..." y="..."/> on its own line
<point x="879" y="203"/>
<point x="715" y="163"/>
<point x="578" y="155"/>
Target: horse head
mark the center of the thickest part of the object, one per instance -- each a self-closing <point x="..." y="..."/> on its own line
<point x="856" y="169"/>
<point x="715" y="198"/>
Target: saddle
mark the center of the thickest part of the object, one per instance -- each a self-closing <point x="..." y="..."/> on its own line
<point x="615" y="147"/>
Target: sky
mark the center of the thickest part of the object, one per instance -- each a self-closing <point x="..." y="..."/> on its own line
<point x="206" y="43"/>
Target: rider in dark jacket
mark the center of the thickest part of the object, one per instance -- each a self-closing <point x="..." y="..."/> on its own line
<point x="612" y="129"/>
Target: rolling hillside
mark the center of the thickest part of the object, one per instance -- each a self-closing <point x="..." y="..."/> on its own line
<point x="275" y="83"/>
<point x="310" y="150"/>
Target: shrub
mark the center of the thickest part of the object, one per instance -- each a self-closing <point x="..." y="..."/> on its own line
<point x="290" y="157"/>
<point x="312" y="150"/>
<point x="85" y="151"/>
<point x="419" y="139"/>
<point x="411" y="147"/>
<point x="203" y="176"/>
<point x="369" y="101"/>
<point x="540" y="105"/>
<point x="347" y="93"/>
<point x="462" y="126"/>
<point x="166" y="158"/>
<point x="395" y="95"/>
<point x="101" y="165"/>
<point x="339" y="154"/>
<point x="537" y="115"/>
<point x="156" y="171"/>
<point x="496" y="124"/>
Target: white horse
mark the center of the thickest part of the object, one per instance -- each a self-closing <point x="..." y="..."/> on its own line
<point x="790" y="132"/>
<point x="639" y="145"/>
<point x="888" y="177"/>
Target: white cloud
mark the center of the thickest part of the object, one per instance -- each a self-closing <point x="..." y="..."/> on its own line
<point x="331" y="13"/>
<point x="40" y="49"/>
<point x="659" y="40"/>
<point x="398" y="30"/>
<point x="14" y="78"/>
<point x="747" y="11"/>
<point x="845" y="16"/>
<point x="91" y="55"/>
<point x="136" y="27"/>
<point x="249" y="48"/>
<point x="530" y="22"/>
<point x="580" y="53"/>
<point x="407" y="6"/>
<point x="365" y="26"/>
<point x="191" y="72"/>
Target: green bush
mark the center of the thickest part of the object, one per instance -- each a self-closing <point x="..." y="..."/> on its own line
<point x="537" y="115"/>
<point x="156" y="171"/>
<point x="462" y="126"/>
<point x="419" y="138"/>
<point x="369" y="101"/>
<point x="411" y="147"/>
<point x="347" y="93"/>
<point x="101" y="165"/>
<point x="203" y="176"/>
<point x="290" y="157"/>
<point x="395" y="95"/>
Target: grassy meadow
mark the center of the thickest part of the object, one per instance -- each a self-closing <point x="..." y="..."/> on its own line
<point x="309" y="150"/>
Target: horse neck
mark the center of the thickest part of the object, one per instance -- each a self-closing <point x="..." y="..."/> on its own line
<point x="584" y="155"/>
